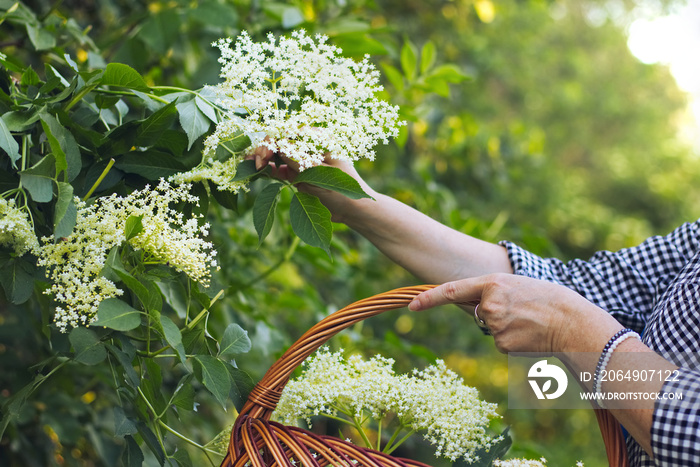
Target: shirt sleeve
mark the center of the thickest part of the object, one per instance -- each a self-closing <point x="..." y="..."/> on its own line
<point x="675" y="428"/>
<point x="626" y="283"/>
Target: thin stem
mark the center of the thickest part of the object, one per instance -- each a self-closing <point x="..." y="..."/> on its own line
<point x="187" y="440"/>
<point x="287" y="256"/>
<point x="148" y="403"/>
<point x="25" y="141"/>
<point x="78" y="97"/>
<point x="204" y="312"/>
<point x="99" y="179"/>
<point x="399" y="443"/>
<point x="338" y="419"/>
<point x="361" y="430"/>
<point x="379" y="433"/>
<point x="393" y="437"/>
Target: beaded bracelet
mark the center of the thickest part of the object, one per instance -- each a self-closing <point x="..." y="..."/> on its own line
<point x="612" y="344"/>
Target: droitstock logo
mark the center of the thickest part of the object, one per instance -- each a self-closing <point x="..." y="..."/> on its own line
<point x="540" y="377"/>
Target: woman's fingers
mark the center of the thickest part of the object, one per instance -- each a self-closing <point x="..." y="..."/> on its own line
<point x="262" y="156"/>
<point x="461" y="292"/>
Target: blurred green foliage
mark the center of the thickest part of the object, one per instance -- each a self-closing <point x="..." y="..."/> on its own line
<point x="559" y="139"/>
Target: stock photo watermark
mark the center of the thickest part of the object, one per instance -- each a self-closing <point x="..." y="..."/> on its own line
<point x="537" y="382"/>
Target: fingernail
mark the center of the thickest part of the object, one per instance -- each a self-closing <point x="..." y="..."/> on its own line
<point x="258" y="162"/>
<point x="414" y="305"/>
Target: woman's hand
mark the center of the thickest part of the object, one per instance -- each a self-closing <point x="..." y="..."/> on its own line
<point x="337" y="203"/>
<point x="527" y="315"/>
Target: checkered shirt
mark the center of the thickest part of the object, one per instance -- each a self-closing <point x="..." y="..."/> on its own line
<point x="653" y="288"/>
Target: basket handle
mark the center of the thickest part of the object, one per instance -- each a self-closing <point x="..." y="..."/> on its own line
<point x="263" y="399"/>
<point x="265" y="395"/>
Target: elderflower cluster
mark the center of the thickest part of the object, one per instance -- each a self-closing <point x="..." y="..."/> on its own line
<point x="300" y="97"/>
<point x="15" y="229"/>
<point x="520" y="463"/>
<point x="75" y="263"/>
<point x="219" y="173"/>
<point x="434" y="400"/>
<point x="526" y="463"/>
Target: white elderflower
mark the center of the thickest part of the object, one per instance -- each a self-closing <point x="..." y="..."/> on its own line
<point x="434" y="400"/>
<point x="297" y="95"/>
<point x="16" y="230"/>
<point x="75" y="263"/>
<point x="219" y="173"/>
<point x="521" y="463"/>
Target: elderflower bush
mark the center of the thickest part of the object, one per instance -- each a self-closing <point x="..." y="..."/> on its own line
<point x="296" y="96"/>
<point x="434" y="400"/>
<point x="16" y="230"/>
<point x="75" y="263"/>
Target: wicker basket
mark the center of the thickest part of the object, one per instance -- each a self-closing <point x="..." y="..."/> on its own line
<point x="258" y="442"/>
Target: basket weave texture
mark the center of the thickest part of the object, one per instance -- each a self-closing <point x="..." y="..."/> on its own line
<point x="259" y="442"/>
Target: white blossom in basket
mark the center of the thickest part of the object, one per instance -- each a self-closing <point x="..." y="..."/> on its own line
<point x="299" y="96"/>
<point x="435" y="400"/>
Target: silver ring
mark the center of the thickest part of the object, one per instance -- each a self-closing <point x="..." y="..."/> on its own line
<point x="478" y="319"/>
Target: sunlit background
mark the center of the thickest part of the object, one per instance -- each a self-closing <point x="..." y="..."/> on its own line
<point x="673" y="40"/>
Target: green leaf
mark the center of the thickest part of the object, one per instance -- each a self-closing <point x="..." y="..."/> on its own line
<point x="65" y="211"/>
<point x="131" y="377"/>
<point x="234" y="341"/>
<point x="264" y="210"/>
<point x="184" y="394"/>
<point x="226" y="199"/>
<point x="113" y="263"/>
<point x="235" y="145"/>
<point x="192" y="120"/>
<point x="38" y="179"/>
<point x="448" y="72"/>
<point x="332" y="178"/>
<point x="63" y="145"/>
<point x="173" y="337"/>
<point x="409" y="60"/>
<point x="8" y="143"/>
<point x="149" y="295"/>
<point x="151" y="164"/>
<point x="151" y="441"/>
<point x="17" y="278"/>
<point x="12" y="406"/>
<point x="120" y="75"/>
<point x="244" y="170"/>
<point x="19" y="120"/>
<point x="206" y="108"/>
<point x="183" y="458"/>
<point x="29" y="78"/>
<point x="214" y="375"/>
<point x="153" y="127"/>
<point x="311" y="221"/>
<point x="241" y="385"/>
<point x="87" y="346"/>
<point x="427" y="56"/>
<point x="132" y="455"/>
<point x="123" y="425"/>
<point x="133" y="226"/>
<point x="118" y="315"/>
<point x="359" y="44"/>
<point x="394" y="76"/>
<point x="41" y="38"/>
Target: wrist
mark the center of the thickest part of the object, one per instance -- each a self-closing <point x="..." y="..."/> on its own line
<point x="588" y="328"/>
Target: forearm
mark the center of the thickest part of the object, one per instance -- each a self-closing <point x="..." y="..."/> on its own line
<point x="428" y="249"/>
